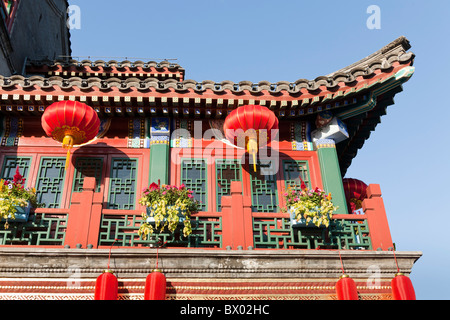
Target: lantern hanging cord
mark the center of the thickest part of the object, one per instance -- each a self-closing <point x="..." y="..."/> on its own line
<point x="396" y="263"/>
<point x="157" y="250"/>
<point x="109" y="258"/>
<point x="342" y="264"/>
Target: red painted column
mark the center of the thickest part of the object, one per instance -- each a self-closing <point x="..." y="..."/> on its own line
<point x="237" y="222"/>
<point x="84" y="216"/>
<point x="95" y="218"/>
<point x="377" y="220"/>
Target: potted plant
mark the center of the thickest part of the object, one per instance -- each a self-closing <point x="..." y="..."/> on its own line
<point x="309" y="206"/>
<point x="16" y="200"/>
<point x="167" y="206"/>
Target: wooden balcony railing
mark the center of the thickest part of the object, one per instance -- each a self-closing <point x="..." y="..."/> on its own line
<point x="86" y="224"/>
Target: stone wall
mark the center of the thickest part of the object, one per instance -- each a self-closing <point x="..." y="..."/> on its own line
<point x="37" y="273"/>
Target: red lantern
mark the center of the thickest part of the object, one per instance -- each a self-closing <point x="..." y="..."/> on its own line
<point x="346" y="288"/>
<point x="71" y="123"/>
<point x="106" y="286"/>
<point x="402" y="288"/>
<point x="355" y="192"/>
<point x="155" y="286"/>
<point x="250" y="126"/>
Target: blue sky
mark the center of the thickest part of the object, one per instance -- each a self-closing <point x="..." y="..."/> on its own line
<point x="285" y="40"/>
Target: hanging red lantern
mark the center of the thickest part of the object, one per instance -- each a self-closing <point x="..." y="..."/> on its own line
<point x="250" y="126"/>
<point x="346" y="288"/>
<point x="355" y="193"/>
<point x="106" y="286"/>
<point x="402" y="288"/>
<point x="71" y="123"/>
<point x="155" y="286"/>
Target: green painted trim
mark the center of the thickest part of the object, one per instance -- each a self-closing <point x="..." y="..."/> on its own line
<point x="387" y="84"/>
<point x="159" y="163"/>
<point x="252" y="194"/>
<point x="297" y="161"/>
<point x="331" y="177"/>
<point x="206" y="203"/>
<point x="76" y="171"/>
<point x="215" y="178"/>
<point x="98" y="188"/>
<point x="135" y="181"/>
<point x="16" y="157"/>
<point x="41" y="160"/>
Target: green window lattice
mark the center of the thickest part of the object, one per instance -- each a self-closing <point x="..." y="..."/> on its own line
<point x="50" y="181"/>
<point x="277" y="233"/>
<point x="264" y="188"/>
<point x="206" y="232"/>
<point x="10" y="164"/>
<point x="194" y="177"/>
<point x="41" y="229"/>
<point x="87" y="167"/>
<point x="293" y="171"/>
<point x="226" y="172"/>
<point x="122" y="188"/>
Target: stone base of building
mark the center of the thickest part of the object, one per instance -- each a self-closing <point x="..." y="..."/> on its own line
<point x="192" y="274"/>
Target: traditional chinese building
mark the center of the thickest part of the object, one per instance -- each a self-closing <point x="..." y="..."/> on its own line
<point x="155" y="126"/>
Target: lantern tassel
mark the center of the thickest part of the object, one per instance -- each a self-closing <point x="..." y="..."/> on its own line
<point x="67" y="159"/>
<point x="68" y="144"/>
<point x="253" y="149"/>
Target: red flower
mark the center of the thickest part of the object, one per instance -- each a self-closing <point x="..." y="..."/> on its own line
<point x="303" y="185"/>
<point x="153" y="187"/>
<point x="18" y="178"/>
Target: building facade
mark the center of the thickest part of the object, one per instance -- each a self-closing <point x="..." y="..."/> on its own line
<point x="156" y="126"/>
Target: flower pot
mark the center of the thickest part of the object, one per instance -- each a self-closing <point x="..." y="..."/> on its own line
<point x="301" y="223"/>
<point x="151" y="220"/>
<point x="148" y="227"/>
<point x="22" y="213"/>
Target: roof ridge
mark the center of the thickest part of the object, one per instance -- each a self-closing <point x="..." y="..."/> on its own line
<point x="383" y="59"/>
<point x="103" y="63"/>
<point x="398" y="47"/>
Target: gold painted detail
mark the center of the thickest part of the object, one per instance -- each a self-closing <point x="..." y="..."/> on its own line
<point x="67" y="134"/>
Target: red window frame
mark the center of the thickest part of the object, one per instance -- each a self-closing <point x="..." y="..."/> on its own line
<point x="209" y="156"/>
<point x="36" y="154"/>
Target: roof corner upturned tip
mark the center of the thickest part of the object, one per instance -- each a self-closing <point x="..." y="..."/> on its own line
<point x="392" y="51"/>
